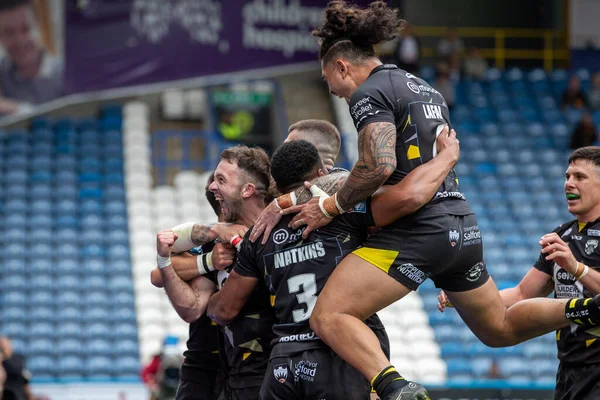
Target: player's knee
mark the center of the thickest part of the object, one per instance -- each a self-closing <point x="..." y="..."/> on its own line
<point x="497" y="338"/>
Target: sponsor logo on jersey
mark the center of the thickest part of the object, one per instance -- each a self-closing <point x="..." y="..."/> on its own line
<point x="301" y="337"/>
<point x="590" y="246"/>
<point x="576" y="237"/>
<point x="413" y="87"/>
<point x="280" y="372"/>
<point x="432" y="111"/>
<point x="361" y="107"/>
<point x="567" y="232"/>
<point x="475" y="272"/>
<point x="453" y="237"/>
<point x="593" y="232"/>
<point x="410" y="76"/>
<point x="281" y="236"/>
<point x="565" y="284"/>
<point x="298" y="254"/>
<point x="413" y="273"/>
<point x="471" y="235"/>
<point x="305" y="370"/>
<point x="445" y="195"/>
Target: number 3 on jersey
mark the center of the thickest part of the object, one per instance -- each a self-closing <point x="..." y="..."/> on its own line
<point x="305" y="288"/>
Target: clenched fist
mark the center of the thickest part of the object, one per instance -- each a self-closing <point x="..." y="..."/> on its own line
<point x="222" y="255"/>
<point x="164" y="242"/>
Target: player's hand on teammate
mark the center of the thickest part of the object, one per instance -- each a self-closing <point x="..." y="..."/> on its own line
<point x="558" y="251"/>
<point x="447" y="142"/>
<point x="222" y="255"/>
<point x="225" y="232"/>
<point x="309" y="214"/>
<point x="164" y="242"/>
<point x="266" y="222"/>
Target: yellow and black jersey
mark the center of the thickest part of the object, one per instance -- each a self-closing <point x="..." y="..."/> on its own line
<point x="576" y="344"/>
<point x="418" y="111"/>
<point x="295" y="271"/>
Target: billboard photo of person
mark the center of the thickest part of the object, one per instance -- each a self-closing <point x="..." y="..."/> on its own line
<point x="29" y="73"/>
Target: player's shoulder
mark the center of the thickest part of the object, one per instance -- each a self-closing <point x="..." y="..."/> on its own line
<point x="565" y="228"/>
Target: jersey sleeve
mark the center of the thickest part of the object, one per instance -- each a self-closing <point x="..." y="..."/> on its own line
<point x="246" y="263"/>
<point x="547" y="266"/>
<point x="370" y="104"/>
<point x="360" y="215"/>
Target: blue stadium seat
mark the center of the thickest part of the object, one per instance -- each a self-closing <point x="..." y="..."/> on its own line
<point x="14" y="282"/>
<point x="67" y="283"/>
<point x="458" y="365"/>
<point x="41" y="221"/>
<point x="17" y="162"/>
<point x="13" y="314"/>
<point x="120" y="266"/>
<point x="127" y="348"/>
<point x="90" y="177"/>
<point x="112" y="137"/>
<point x="96" y="298"/>
<point x="41" y="267"/>
<point x="68" y="250"/>
<point x="15" y="235"/>
<point x="68" y="298"/>
<point x="97" y="314"/>
<point x="113" y="165"/>
<point x="40" y="191"/>
<point x="114" y="178"/>
<point x="96" y="267"/>
<point x="69" y="330"/>
<point x="99" y="365"/>
<point x="114" y="193"/>
<point x="14" y="266"/>
<point x="127" y="365"/>
<point x="94" y="283"/>
<point x="125" y="331"/>
<point x="89" y="150"/>
<point x="123" y="300"/>
<point x="40" y="250"/>
<point x="98" y="330"/>
<point x="14" y="329"/>
<point x="120" y="236"/>
<point x="69" y="314"/>
<point x="92" y="250"/>
<point x="42" y="329"/>
<point x="70" y="346"/>
<point x="41" y="365"/>
<point x="43" y="313"/>
<point x="513" y="365"/>
<point x="116" y="222"/>
<point x="42" y="346"/>
<point x="15" y="206"/>
<point x="91" y="221"/>
<point x="16" y="190"/>
<point x="98" y="347"/>
<point x="70" y="364"/>
<point x="118" y="252"/>
<point x="124" y="315"/>
<point x="15" y="250"/>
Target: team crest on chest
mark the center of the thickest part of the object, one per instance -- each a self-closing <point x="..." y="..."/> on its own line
<point x="590" y="246"/>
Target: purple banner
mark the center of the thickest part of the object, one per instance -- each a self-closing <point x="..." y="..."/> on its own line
<point x="130" y="42"/>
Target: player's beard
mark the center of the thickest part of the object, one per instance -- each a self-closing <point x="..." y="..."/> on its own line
<point x="232" y="208"/>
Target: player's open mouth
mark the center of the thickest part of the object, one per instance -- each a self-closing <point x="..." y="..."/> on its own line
<point x="572" y="197"/>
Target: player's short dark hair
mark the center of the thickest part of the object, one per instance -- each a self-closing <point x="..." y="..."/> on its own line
<point x="210" y="196"/>
<point x="320" y="128"/>
<point x="293" y="162"/>
<point x="12" y="4"/>
<point x="254" y="161"/>
<point x="351" y="31"/>
<point x="589" y="153"/>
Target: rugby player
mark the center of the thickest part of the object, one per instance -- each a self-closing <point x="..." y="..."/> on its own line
<point x="570" y="266"/>
<point x="398" y="117"/>
<point x="294" y="286"/>
<point x="240" y="185"/>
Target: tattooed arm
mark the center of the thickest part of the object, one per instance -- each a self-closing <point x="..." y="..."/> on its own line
<point x="330" y="184"/>
<point x="376" y="162"/>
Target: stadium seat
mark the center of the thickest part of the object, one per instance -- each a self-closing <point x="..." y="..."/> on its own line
<point x="99" y="365"/>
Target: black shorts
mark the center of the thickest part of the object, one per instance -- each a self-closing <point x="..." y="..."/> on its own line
<point x="189" y="390"/>
<point x="313" y="374"/>
<point x="446" y="248"/>
<point x="577" y="382"/>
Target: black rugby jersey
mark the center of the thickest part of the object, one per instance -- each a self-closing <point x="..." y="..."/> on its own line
<point x="576" y="343"/>
<point x="295" y="271"/>
<point x="393" y="95"/>
<point x="202" y="354"/>
<point x="246" y="342"/>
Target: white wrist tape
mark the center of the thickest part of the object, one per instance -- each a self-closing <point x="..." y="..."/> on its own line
<point x="184" y="237"/>
<point x="586" y="269"/>
<point x="323" y="210"/>
<point x="163" y="262"/>
<point x="340" y="209"/>
<point x="318" y="192"/>
<point x="204" y="263"/>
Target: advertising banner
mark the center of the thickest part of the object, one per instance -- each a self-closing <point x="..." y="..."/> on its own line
<point x="131" y="42"/>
